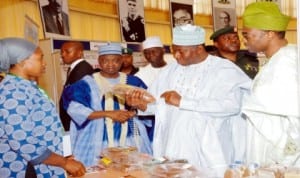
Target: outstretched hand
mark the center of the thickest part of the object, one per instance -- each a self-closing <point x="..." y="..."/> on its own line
<point x="135" y="99"/>
<point x="171" y="98"/>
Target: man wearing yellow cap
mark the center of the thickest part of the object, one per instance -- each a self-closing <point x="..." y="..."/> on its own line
<point x="272" y="110"/>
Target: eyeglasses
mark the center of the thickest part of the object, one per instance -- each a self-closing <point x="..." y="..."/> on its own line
<point x="182" y="21"/>
<point x="131" y="4"/>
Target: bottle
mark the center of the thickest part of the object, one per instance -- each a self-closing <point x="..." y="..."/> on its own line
<point x="233" y="171"/>
<point x="251" y="171"/>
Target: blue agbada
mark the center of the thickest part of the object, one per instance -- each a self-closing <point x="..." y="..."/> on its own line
<point x="90" y="137"/>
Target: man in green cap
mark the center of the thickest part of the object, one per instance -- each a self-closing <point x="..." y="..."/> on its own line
<point x="228" y="45"/>
<point x="272" y="110"/>
<point x="127" y="66"/>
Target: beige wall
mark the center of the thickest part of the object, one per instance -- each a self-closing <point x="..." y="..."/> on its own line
<point x="97" y="21"/>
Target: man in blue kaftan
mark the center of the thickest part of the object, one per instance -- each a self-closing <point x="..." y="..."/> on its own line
<point x="114" y="125"/>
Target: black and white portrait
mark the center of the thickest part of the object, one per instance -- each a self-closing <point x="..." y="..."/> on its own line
<point x="181" y="14"/>
<point x="132" y="23"/>
<point x="224" y="17"/>
<point x="55" y="17"/>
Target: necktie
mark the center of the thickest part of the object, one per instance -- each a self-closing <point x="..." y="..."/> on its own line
<point x="59" y="25"/>
<point x="68" y="71"/>
<point x="67" y="76"/>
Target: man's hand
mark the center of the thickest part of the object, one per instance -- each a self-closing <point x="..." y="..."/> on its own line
<point x="120" y="115"/>
<point x="74" y="167"/>
<point x="171" y="98"/>
<point x="125" y="24"/>
<point x="135" y="99"/>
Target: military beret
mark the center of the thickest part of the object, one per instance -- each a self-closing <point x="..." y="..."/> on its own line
<point x="223" y="31"/>
<point x="127" y="51"/>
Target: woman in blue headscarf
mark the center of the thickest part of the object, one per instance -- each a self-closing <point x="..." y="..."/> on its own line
<point x="30" y="128"/>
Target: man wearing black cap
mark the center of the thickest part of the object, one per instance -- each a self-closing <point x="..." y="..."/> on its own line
<point x="127" y="66"/>
<point x="227" y="42"/>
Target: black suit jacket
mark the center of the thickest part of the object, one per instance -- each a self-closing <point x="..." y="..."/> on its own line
<point x="51" y="25"/>
<point x="80" y="70"/>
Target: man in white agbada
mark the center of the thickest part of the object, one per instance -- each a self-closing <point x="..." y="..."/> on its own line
<point x="197" y="99"/>
<point x="154" y="51"/>
<point x="272" y="110"/>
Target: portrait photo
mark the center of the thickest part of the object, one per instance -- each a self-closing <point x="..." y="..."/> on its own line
<point x="132" y="22"/>
<point x="224" y="17"/>
<point x="31" y="30"/>
<point x="181" y="13"/>
<point x="55" y="18"/>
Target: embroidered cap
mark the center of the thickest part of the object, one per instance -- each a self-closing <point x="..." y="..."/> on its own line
<point x="110" y="48"/>
<point x="152" y="42"/>
<point x="188" y="35"/>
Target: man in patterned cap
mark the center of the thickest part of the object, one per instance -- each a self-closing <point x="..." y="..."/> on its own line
<point x="272" y="111"/>
<point x="197" y="99"/>
<point x="99" y="118"/>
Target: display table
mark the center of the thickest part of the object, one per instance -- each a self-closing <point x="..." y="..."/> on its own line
<point x="126" y="162"/>
<point x="109" y="173"/>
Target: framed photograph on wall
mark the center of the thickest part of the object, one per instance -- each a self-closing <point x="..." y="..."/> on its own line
<point x="132" y="22"/>
<point x="224" y="14"/>
<point x="181" y="12"/>
<point x="55" y="18"/>
<point x="31" y="30"/>
<point x="224" y="17"/>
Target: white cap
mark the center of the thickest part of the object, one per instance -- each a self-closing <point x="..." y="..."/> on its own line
<point x="152" y="42"/>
